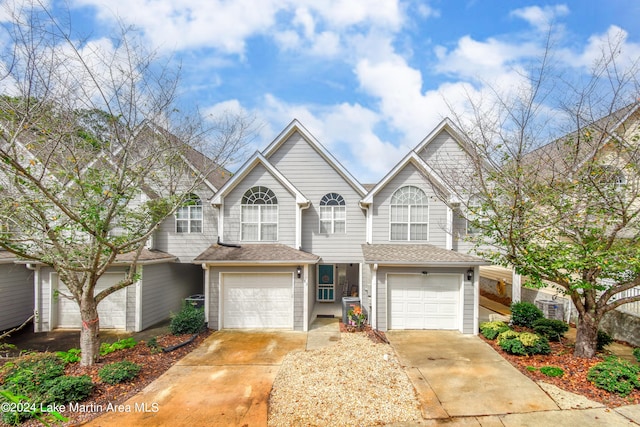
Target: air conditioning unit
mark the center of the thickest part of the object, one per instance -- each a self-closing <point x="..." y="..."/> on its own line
<point x="551" y="309"/>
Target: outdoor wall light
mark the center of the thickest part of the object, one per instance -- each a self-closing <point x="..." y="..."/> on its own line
<point x="470" y="274"/>
<point x="299" y="271"/>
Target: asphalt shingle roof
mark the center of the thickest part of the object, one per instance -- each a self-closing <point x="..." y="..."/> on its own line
<point x="256" y="253"/>
<point x="419" y="254"/>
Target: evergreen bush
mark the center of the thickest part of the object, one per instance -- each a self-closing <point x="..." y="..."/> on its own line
<point x="615" y="375"/>
<point x="117" y="372"/>
<point x="524" y="314"/>
<point x="551" y="329"/>
<point x="189" y="320"/>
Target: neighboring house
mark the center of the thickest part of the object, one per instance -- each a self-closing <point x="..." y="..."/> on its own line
<point x="162" y="285"/>
<point x="297" y="231"/>
<point x="165" y="272"/>
<point x="16" y="292"/>
<point x="610" y="141"/>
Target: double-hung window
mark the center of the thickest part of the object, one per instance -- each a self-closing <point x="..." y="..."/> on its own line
<point x="409" y="214"/>
<point x="333" y="214"/>
<point x="189" y="215"/>
<point x="259" y="215"/>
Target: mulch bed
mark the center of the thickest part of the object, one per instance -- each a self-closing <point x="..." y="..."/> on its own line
<point x="575" y="369"/>
<point x="153" y="365"/>
<point x="374" y="335"/>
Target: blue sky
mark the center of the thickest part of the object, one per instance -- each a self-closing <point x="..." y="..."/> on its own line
<point x="369" y="78"/>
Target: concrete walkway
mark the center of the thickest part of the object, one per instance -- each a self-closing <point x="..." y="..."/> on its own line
<point x="462" y="381"/>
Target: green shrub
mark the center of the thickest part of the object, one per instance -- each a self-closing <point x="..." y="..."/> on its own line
<point x="551" y="329"/>
<point x="26" y="381"/>
<point x="29" y="375"/>
<point x="491" y="330"/>
<point x="154" y="346"/>
<point x="106" y="348"/>
<point x="615" y="375"/>
<point x="603" y="340"/>
<point x="636" y="354"/>
<point x="118" y="372"/>
<point x="552" y="371"/>
<point x="189" y="320"/>
<point x="71" y="356"/>
<point x="523" y="343"/>
<point x="524" y="314"/>
<point x="66" y="389"/>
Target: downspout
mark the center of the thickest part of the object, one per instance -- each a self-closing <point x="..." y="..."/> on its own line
<point x="369" y="222"/>
<point x="374" y="297"/>
<point x="305" y="295"/>
<point x="138" y="315"/>
<point x="449" y="231"/>
<point x="301" y="207"/>
<point x="476" y="298"/>
<point x="207" y="297"/>
<point x="37" y="306"/>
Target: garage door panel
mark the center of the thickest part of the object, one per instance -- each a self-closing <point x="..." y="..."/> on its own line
<point x="423" y="302"/>
<point x="257" y="301"/>
<point x="111" y="309"/>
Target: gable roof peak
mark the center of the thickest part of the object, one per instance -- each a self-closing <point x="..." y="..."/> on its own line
<point x="296" y="126"/>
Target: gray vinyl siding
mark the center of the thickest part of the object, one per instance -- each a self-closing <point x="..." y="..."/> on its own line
<point x="286" y="207"/>
<point x="381" y="205"/>
<point x="311" y="291"/>
<point x="164" y="288"/>
<point x="187" y="246"/>
<point x="383" y="294"/>
<point x="469" y="306"/>
<point x="312" y="175"/>
<point x="16" y="295"/>
<point x="365" y="298"/>
<point x="461" y="242"/>
<point x="214" y="292"/>
<point x="447" y="158"/>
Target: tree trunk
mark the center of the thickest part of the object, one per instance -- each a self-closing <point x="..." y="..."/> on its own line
<point x="89" y="332"/>
<point x="586" y="336"/>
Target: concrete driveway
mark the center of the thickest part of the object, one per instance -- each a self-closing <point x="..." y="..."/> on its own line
<point x="459" y="375"/>
<point x="225" y="381"/>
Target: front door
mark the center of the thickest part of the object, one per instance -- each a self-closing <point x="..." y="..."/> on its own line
<point x="326" y="283"/>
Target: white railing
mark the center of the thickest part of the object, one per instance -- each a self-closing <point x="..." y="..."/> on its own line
<point x="632" y="307"/>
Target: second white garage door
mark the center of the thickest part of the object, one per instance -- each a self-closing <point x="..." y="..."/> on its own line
<point x="418" y="301"/>
<point x="111" y="309"/>
<point x="257" y="300"/>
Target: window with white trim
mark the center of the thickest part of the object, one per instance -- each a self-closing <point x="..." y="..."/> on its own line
<point x="333" y="214"/>
<point x="259" y="215"/>
<point x="189" y="215"/>
<point x="409" y="214"/>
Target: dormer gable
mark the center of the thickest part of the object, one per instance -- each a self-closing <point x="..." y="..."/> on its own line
<point x="280" y="153"/>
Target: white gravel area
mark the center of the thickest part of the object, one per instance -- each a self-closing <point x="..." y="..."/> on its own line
<point x="354" y="382"/>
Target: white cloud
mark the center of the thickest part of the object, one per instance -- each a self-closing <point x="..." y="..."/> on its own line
<point x="614" y="40"/>
<point x="541" y="17"/>
<point x="226" y="25"/>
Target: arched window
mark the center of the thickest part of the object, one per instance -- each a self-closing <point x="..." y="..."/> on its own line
<point x="409" y="214"/>
<point x="333" y="214"/>
<point x="189" y="215"/>
<point x="259" y="215"/>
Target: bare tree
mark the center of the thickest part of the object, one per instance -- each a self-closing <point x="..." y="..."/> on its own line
<point x="94" y="152"/>
<point x="562" y="210"/>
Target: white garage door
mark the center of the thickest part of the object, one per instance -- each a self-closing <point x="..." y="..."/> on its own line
<point x="257" y="300"/>
<point x="419" y="301"/>
<point x="111" y="309"/>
